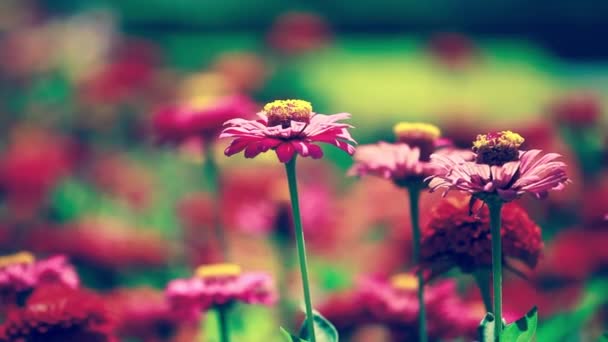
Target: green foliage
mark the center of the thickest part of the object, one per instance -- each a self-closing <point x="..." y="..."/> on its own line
<point x="563" y="325"/>
<point x="486" y="328"/>
<point x="522" y="330"/>
<point x="324" y="331"/>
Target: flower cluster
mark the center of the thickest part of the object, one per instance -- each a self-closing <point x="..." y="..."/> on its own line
<point x="58" y="313"/>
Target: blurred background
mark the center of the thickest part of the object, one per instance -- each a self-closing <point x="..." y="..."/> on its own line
<point x="82" y="172"/>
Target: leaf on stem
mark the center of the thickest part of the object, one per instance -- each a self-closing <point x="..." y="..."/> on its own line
<point x="324" y="330"/>
<point x="522" y="330"/>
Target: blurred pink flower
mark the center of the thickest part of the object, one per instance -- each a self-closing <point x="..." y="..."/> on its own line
<point x="182" y="122"/>
<point x="21" y="272"/>
<point x="288" y="127"/>
<point x="394" y="302"/>
<point x="500" y="169"/>
<point x="219" y="284"/>
<point x="407" y="161"/>
<point x="57" y="313"/>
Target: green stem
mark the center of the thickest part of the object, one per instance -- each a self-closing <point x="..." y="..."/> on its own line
<point x="482" y="278"/>
<point x="222" y="320"/>
<point x="495" y="209"/>
<point x="414" y="193"/>
<point x="290" y="168"/>
<point x="213" y="181"/>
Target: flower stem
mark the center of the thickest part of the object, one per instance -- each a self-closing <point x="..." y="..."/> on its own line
<point x="414" y="193"/>
<point x="495" y="209"/>
<point x="222" y="320"/>
<point x="290" y="168"/>
<point x="482" y="278"/>
<point x="213" y="181"/>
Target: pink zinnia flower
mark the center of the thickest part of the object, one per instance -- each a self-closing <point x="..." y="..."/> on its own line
<point x="181" y="122"/>
<point x="288" y="127"/>
<point x="21" y="272"/>
<point x="500" y="169"/>
<point x="57" y="313"/>
<point x="394" y="302"/>
<point x="217" y="285"/>
<point x="407" y="161"/>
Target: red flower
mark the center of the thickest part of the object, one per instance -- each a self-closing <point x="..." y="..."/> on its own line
<point x="455" y="236"/>
<point x="295" y="33"/>
<point x="59" y="314"/>
<point x="33" y="163"/>
<point x="129" y="73"/>
<point x="452" y="49"/>
<point x="145" y="314"/>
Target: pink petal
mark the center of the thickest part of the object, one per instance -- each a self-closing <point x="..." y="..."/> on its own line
<point x="285" y="152"/>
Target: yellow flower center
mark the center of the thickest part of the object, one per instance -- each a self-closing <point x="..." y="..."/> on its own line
<point x="416" y="130"/>
<point x="17" y="259"/>
<point x="282" y="112"/>
<point x="404" y="281"/>
<point x="218" y="270"/>
<point x="418" y="134"/>
<point x="497" y="148"/>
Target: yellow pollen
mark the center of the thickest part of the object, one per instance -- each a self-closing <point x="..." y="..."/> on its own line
<point x="499" y="139"/>
<point x="416" y="130"/>
<point x="16" y="259"/>
<point x="283" y="111"/>
<point x="218" y="270"/>
<point x="404" y="281"/>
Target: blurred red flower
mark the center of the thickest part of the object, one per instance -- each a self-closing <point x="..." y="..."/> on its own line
<point x="144" y="313"/>
<point x="102" y="242"/>
<point x="180" y="122"/>
<point x="59" y="314"/>
<point x="577" y="109"/>
<point x="34" y="161"/>
<point x="454" y="50"/>
<point x="295" y="33"/>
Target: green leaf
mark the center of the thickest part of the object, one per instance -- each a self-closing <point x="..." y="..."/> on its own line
<point x="289" y="337"/>
<point x="561" y="326"/>
<point x="324" y="330"/>
<point x="486" y="328"/>
<point x="522" y="330"/>
<point x="604" y="338"/>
